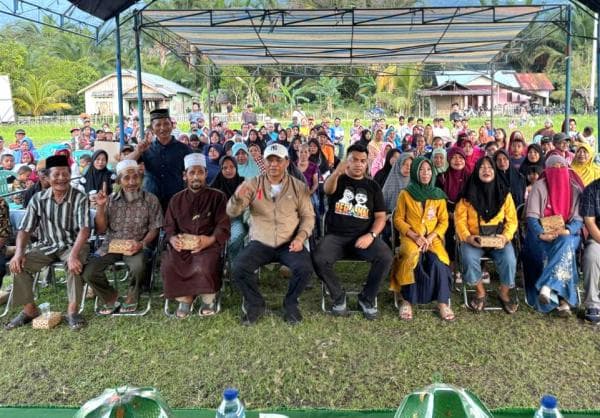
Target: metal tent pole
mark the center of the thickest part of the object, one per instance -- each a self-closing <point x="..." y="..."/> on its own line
<point x="138" y="67"/>
<point x="120" y="83"/>
<point x="568" y="71"/>
<point x="597" y="82"/>
<point x="493" y="71"/>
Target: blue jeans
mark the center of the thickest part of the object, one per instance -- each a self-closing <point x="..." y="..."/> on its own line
<point x="504" y="258"/>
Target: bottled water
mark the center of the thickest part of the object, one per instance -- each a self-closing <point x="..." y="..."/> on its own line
<point x="548" y="408"/>
<point x="231" y="406"/>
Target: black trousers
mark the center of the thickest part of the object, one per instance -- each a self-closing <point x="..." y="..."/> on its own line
<point x="256" y="254"/>
<point x="334" y="247"/>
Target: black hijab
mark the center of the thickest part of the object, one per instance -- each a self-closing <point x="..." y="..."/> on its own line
<point x="486" y="198"/>
<point x="512" y="179"/>
<point x="223" y="184"/>
<point x="319" y="159"/>
<point x="94" y="178"/>
<point x="383" y="174"/>
<point x="524" y="169"/>
<point x="363" y="138"/>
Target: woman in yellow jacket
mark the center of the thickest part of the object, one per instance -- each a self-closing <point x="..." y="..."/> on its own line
<point x="421" y="269"/>
<point x="487" y="209"/>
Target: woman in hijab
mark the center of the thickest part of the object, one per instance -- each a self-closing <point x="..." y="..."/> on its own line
<point x="98" y="175"/>
<point x="255" y="151"/>
<point x="551" y="269"/>
<point x="439" y="158"/>
<point x="391" y="137"/>
<point x="390" y="159"/>
<point x="246" y="166"/>
<point x="454" y="179"/>
<point x="534" y="157"/>
<point x="293" y="149"/>
<point x="365" y="138"/>
<point x="254" y="138"/>
<point x="583" y="164"/>
<point x="487" y="209"/>
<point x="317" y="156"/>
<point x="228" y="181"/>
<point x="379" y="161"/>
<point x="510" y="177"/>
<point x="472" y="153"/>
<point x="214" y="152"/>
<point x="421" y="270"/>
<point x="397" y="180"/>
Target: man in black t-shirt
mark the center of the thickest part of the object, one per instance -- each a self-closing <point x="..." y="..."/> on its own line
<point x="356" y="217"/>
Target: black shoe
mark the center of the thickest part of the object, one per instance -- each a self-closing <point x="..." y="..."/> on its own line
<point x="368" y="309"/>
<point x="340" y="307"/>
<point x="250" y="316"/>
<point x="292" y="315"/>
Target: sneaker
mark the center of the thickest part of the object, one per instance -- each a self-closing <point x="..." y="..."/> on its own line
<point x="592" y="315"/>
<point x="339" y="307"/>
<point x="369" y="311"/>
<point x="292" y="315"/>
<point x="485" y="277"/>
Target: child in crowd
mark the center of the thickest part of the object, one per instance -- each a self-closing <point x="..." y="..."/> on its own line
<point x="20" y="183"/>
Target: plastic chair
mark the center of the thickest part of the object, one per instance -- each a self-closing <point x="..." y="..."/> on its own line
<point x="4" y="176"/>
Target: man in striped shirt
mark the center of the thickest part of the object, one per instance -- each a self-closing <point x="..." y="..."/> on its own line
<point x="61" y="217"/>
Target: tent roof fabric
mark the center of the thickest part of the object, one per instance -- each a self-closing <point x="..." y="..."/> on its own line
<point x="452" y="35"/>
<point x="103" y="9"/>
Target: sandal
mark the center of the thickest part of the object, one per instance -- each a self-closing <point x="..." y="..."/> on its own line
<point x="129" y="307"/>
<point x="20" y="320"/>
<point x="563" y="310"/>
<point x="478" y="303"/>
<point x="75" y="321"/>
<point x="183" y="310"/>
<point x="508" y="305"/>
<point x="207" y="309"/>
<point x="109" y="308"/>
<point x="446" y="313"/>
<point x="406" y="312"/>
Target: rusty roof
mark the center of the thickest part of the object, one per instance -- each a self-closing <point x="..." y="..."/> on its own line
<point x="534" y="81"/>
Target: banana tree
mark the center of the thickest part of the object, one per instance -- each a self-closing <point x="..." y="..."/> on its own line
<point x="290" y="93"/>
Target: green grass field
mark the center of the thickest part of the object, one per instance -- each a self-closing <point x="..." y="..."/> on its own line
<point x="324" y="362"/>
<point x="54" y="133"/>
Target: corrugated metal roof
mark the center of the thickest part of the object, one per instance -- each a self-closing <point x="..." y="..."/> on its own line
<point x="534" y="81"/>
<point x="362" y="36"/>
<point x="161" y="84"/>
<point x="506" y="78"/>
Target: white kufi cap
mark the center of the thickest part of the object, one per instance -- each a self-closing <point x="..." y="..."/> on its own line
<point x="126" y="165"/>
<point x="193" y="159"/>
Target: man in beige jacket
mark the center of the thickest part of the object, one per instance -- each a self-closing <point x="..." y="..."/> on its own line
<point x="282" y="219"/>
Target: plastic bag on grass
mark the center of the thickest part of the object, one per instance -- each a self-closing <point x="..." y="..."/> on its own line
<point x="126" y="402"/>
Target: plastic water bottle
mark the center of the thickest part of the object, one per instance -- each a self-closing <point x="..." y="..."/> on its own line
<point x="231" y="406"/>
<point x="548" y="408"/>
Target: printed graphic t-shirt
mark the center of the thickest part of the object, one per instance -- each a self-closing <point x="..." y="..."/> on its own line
<point x="353" y="205"/>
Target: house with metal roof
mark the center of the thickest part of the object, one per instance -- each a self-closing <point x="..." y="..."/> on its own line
<point x="101" y="97"/>
<point x="473" y="90"/>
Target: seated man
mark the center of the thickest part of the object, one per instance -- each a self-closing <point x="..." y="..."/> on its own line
<point x="590" y="211"/>
<point x="62" y="215"/>
<point x="281" y="219"/>
<point x="132" y="215"/>
<point x="199" y="212"/>
<point x="356" y="217"/>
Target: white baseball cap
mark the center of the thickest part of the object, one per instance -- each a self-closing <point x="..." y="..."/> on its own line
<point x="277" y="150"/>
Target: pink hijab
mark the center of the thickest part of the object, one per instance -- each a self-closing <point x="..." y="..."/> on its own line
<point x="379" y="161"/>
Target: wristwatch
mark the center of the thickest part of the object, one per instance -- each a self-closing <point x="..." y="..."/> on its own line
<point x="373" y="234"/>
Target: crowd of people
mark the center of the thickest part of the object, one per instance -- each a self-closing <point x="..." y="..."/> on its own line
<point x="296" y="195"/>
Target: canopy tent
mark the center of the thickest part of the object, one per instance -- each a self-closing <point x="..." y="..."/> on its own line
<point x="103" y="9"/>
<point x="449" y="35"/>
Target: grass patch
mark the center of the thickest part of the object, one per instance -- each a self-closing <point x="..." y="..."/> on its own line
<point x="325" y="362"/>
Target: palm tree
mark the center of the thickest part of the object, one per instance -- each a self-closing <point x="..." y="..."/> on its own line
<point x="40" y="96"/>
<point x="290" y="94"/>
<point x="328" y="92"/>
<point x="252" y="87"/>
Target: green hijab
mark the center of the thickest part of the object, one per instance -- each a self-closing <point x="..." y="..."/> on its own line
<point x="422" y="192"/>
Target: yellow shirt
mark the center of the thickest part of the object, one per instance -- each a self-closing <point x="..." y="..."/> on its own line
<point x="422" y="219"/>
<point x="466" y="221"/>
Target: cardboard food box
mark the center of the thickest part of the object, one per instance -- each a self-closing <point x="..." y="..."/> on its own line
<point x="118" y="246"/>
<point x="189" y="241"/>
<point x="491" y="242"/>
<point x="49" y="321"/>
<point x="553" y="224"/>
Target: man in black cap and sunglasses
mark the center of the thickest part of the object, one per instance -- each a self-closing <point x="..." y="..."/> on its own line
<point x="61" y="217"/>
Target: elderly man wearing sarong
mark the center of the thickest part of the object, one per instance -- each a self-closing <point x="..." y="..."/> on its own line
<point x="197" y="227"/>
<point x="131" y="219"/>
